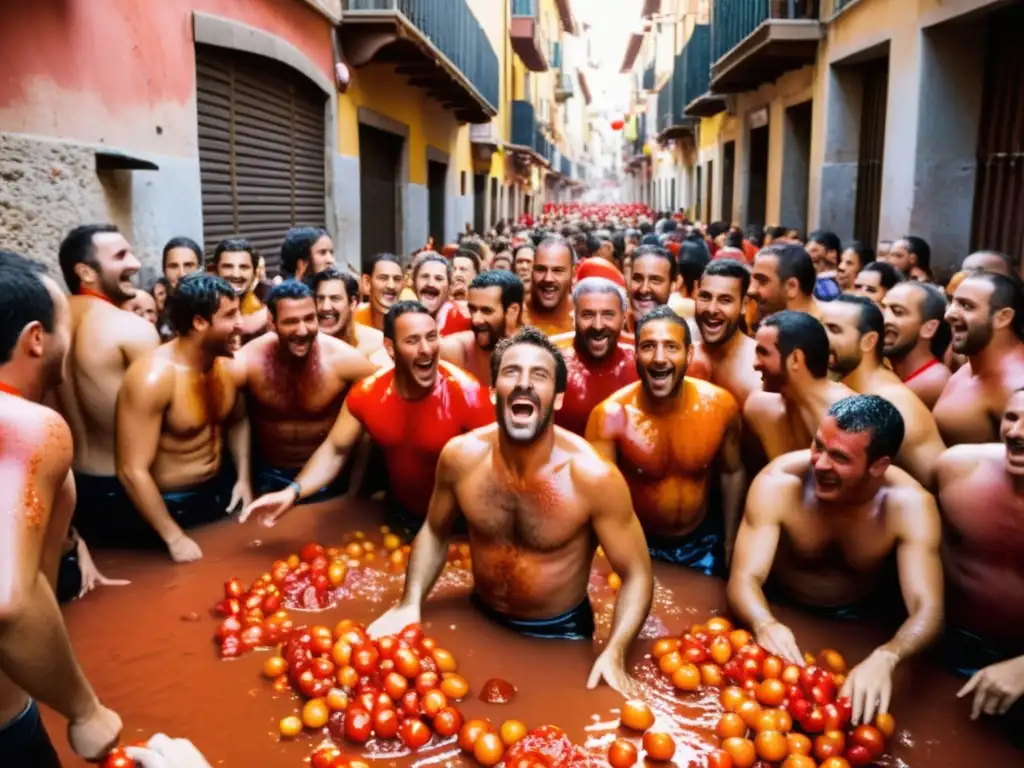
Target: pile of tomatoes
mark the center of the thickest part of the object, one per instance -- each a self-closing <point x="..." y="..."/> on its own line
<point x="775" y="712"/>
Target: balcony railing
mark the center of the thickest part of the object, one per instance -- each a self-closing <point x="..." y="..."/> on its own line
<point x="831" y="8"/>
<point x="565" y="87"/>
<point x="696" y="56"/>
<point x="529" y="40"/>
<point x="526" y="8"/>
<point x="525" y="131"/>
<point x="450" y="26"/>
<point x="566" y="168"/>
<point x="733" y="20"/>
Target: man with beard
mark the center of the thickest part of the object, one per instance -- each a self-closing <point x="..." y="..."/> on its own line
<point x="599" y="363"/>
<point x="382" y="281"/>
<point x="38" y="496"/>
<point x="876" y="280"/>
<point x="465" y="267"/>
<point x="826" y="524"/>
<point x="855" y="329"/>
<point x="981" y="490"/>
<point x="181" y="256"/>
<point x="537" y="501"/>
<point x="306" y="251"/>
<point x="784" y="278"/>
<point x="986" y="317"/>
<point x="98" y="266"/>
<point x="432" y="281"/>
<point x="654" y="277"/>
<point x="791" y="350"/>
<point x="410" y="410"/>
<point x="337" y="295"/>
<point x="295" y="381"/>
<point x="725" y="351"/>
<point x="522" y="264"/>
<point x="234" y="260"/>
<point x="916" y="337"/>
<point x="549" y="308"/>
<point x="495" y="309"/>
<point x="665" y="433"/>
<point x="172" y="412"/>
<point x="911" y="256"/>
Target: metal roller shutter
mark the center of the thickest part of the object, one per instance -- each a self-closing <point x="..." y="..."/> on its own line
<point x="261" y="150"/>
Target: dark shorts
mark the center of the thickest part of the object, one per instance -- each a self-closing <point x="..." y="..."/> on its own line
<point x="69" y="577"/>
<point x="268" y="479"/>
<point x="106" y="518"/>
<point x="702" y="549"/>
<point x="575" y="624"/>
<point x="24" y="742"/>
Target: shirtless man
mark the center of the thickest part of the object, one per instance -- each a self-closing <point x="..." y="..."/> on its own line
<point x="876" y="280"/>
<point x="295" y="381"/>
<point x="665" y="433"/>
<point x="855" y="329"/>
<point x="306" y="251"/>
<point x="981" y="488"/>
<point x="912" y="256"/>
<point x="234" y="260"/>
<point x="181" y="256"/>
<point x="337" y="296"/>
<point x="495" y="309"/>
<point x="986" y="317"/>
<point x="143" y="305"/>
<point x="537" y="501"/>
<point x="654" y="277"/>
<point x="410" y="410"/>
<point x="726" y="352"/>
<point x="549" y="307"/>
<point x="38" y="496"/>
<point x="598" y="361"/>
<point x="783" y="277"/>
<point x="916" y="337"/>
<point x="382" y="282"/>
<point x="792" y="357"/>
<point x="171" y="416"/>
<point x="522" y="263"/>
<point x="98" y="265"/>
<point x="432" y="282"/>
<point x="466" y="265"/>
<point x="825" y="523"/>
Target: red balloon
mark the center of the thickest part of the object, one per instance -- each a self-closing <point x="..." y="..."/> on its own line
<point x="618" y="125"/>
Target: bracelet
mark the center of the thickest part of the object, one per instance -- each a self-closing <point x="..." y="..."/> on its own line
<point x="764" y="623"/>
<point x="297" y="489"/>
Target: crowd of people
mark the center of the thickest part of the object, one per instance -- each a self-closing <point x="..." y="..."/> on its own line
<point x="818" y="425"/>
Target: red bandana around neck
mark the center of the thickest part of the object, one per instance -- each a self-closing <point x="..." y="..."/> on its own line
<point x="85" y="291"/>
<point x="10" y="390"/>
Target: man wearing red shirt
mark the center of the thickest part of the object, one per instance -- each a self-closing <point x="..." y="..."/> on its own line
<point x="599" y="363"/>
<point x="410" y="411"/>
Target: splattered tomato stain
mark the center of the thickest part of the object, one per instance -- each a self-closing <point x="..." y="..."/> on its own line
<point x="497" y="691"/>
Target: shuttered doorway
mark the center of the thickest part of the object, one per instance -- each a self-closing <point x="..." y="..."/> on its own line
<point x="261" y="150"/>
<point x="871" y="154"/>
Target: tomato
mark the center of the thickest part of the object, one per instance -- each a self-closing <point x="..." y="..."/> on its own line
<point x="385" y="723"/>
<point x="311" y="552"/>
<point x="412" y="635"/>
<point x="118" y="759"/>
<point x="686" y="678"/>
<point x="325" y="757"/>
<point x="347" y="677"/>
<point x="835" y="717"/>
<point x="721" y="650"/>
<point x="274" y="666"/>
<point x="711" y="674"/>
<point x="444" y="660"/>
<point x="407" y="663"/>
<point x="336" y="700"/>
<point x="488" y="749"/>
<point x="341" y="653"/>
<point x="749" y="710"/>
<point x="315" y="714"/>
<point x="636" y="715"/>
<point x="765" y="721"/>
<point x="512" y="731"/>
<point x="731" y="726"/>
<point x="799" y="761"/>
<point x="783" y="721"/>
<point x="870" y="738"/>
<point x="322" y="643"/>
<point x="395" y="685"/>
<point x="426" y="682"/>
<point x="322" y="668"/>
<point x="791" y="674"/>
<point x="732" y="697"/>
<point x="718" y="625"/>
<point x="472" y="731"/>
<point x="659" y="746"/>
<point x="414" y="733"/>
<point x="813" y="721"/>
<point x="771" y="668"/>
<point x="833" y="661"/>
<point x="336" y="573"/>
<point x="696" y="654"/>
<point x="306" y="683"/>
<point x="410" y="704"/>
<point x="771" y="693"/>
<point x="230" y="627"/>
<point x="233" y="588"/>
<point x="886" y="725"/>
<point x="719" y="759"/>
<point x="829" y="744"/>
<point x="622" y="754"/>
<point x="739" y="638"/>
<point x="433" y="702"/>
<point x="799" y="744"/>
<point x="799" y="709"/>
<point x="741" y="751"/>
<point x="771" y="746"/>
<point x="290" y="727"/>
<point x="448" y="721"/>
<point x="824" y="689"/>
<point x="455" y="687"/>
<point x="281" y="684"/>
<point x="665" y="646"/>
<point x="809" y="677"/>
<point x="670" y="662"/>
<point x="365" y="660"/>
<point x="835" y="762"/>
<point x="358" y="725"/>
<point x="751" y="669"/>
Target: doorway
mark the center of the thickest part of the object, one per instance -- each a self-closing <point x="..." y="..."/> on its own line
<point x="479" y="202"/>
<point x="871" y="157"/>
<point x="380" y="157"/>
<point x="757" y="192"/>
<point x="437" y="175"/>
<point x="728" y="179"/>
<point x="796" y="167"/>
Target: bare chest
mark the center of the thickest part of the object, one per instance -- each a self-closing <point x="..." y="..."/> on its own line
<point x="984" y="516"/>
<point x="200" y="401"/>
<point x="309" y="394"/>
<point x="661" y="447"/>
<point x="859" y="539"/>
<point x="971" y="407"/>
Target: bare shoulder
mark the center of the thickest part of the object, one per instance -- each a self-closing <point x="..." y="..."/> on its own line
<point x="466" y="451"/>
<point x="712" y="394"/>
<point x="788" y="470"/>
<point x="151" y="373"/>
<point x="778" y="488"/>
<point x="132" y="330"/>
<point x="367" y="336"/>
<point x="338" y="352"/>
<point x="590" y="472"/>
<point x="563" y="340"/>
<point x="763" y="407"/>
<point x="453" y="347"/>
<point x="913" y="509"/>
<point x="960" y="461"/>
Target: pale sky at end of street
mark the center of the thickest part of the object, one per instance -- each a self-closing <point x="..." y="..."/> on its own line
<point x="611" y="23"/>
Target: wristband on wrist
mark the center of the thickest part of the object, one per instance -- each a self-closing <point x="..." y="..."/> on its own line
<point x="297" y="490"/>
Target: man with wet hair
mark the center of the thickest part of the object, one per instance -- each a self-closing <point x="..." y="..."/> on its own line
<point x="641" y="430"/>
<point x="792" y="354"/>
<point x="549" y="306"/>
<point x="537" y="501"/>
<point x="916" y="338"/>
<point x="495" y="303"/>
<point x="599" y="362"/>
<point x="912" y="256"/>
<point x="981" y="492"/>
<point x="986" y="317"/>
<point x="783" y="277"/>
<point x="295" y="380"/>
<point x="172" y="412"/>
<point x="432" y="283"/>
<point x="306" y="251"/>
<point x="181" y="256"/>
<point x="37" y="496"/>
<point x="382" y="281"/>
<point x="410" y="410"/>
<point x="825" y="523"/>
<point x="337" y="297"/>
<point x="856" y="329"/>
<point x="876" y="280"/>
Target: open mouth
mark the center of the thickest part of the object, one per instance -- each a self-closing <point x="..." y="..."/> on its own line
<point x="429" y="293"/>
<point x="660" y="374"/>
<point x="712" y="325"/>
<point x="826" y="480"/>
<point x="548" y="290"/>
<point x="424" y="365"/>
<point x="328" y="318"/>
<point x="1015" y="450"/>
<point x="388" y="297"/>
<point x="522" y="409"/>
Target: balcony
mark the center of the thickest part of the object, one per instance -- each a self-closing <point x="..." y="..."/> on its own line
<point x="698" y="101"/>
<point x="527" y="35"/>
<point x="564" y="87"/>
<point x="689" y="83"/>
<point x="438" y="44"/>
<point x="754" y="42"/>
<point x="527" y="138"/>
